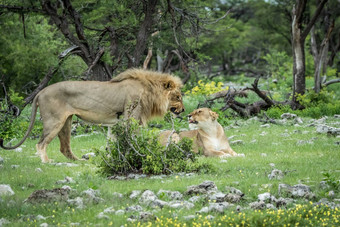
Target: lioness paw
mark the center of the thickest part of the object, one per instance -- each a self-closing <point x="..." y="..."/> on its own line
<point x="225" y="156"/>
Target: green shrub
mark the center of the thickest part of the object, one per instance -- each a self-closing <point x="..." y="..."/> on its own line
<point x="10" y="127"/>
<point x="331" y="181"/>
<point x="277" y="111"/>
<point x="15" y="127"/>
<point x="325" y="109"/>
<point x="311" y="99"/>
<point x="137" y="150"/>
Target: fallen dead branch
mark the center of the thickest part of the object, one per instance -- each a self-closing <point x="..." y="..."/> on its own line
<point x="244" y="109"/>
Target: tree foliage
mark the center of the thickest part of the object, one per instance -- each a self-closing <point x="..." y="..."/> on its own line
<point x="102" y="38"/>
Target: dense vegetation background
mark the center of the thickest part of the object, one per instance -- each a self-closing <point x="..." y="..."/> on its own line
<point x="283" y="55"/>
<point x="95" y="40"/>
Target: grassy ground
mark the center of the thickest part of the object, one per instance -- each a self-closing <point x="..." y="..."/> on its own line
<point x="279" y="145"/>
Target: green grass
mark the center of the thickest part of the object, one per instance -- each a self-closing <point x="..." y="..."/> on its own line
<point x="302" y="163"/>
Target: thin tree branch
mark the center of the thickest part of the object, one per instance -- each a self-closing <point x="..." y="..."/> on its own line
<point x="313" y="20"/>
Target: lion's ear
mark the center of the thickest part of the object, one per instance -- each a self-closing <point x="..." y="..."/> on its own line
<point x="169" y="85"/>
<point x="213" y="115"/>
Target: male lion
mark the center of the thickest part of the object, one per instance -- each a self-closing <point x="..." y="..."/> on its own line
<point x="209" y="135"/>
<point x="152" y="94"/>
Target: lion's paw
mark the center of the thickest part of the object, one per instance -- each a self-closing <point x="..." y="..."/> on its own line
<point x="225" y="156"/>
<point x="241" y="155"/>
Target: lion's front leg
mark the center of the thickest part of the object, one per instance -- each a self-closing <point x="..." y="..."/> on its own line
<point x="215" y="153"/>
<point x="230" y="151"/>
<point x="65" y="140"/>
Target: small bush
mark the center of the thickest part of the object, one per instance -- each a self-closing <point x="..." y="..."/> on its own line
<point x="137" y="150"/>
<point x="277" y="111"/>
<point x="332" y="181"/>
<point x="15" y="127"/>
<point x="312" y="99"/>
<point x="10" y="126"/>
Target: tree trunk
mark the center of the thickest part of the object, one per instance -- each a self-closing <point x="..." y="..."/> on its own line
<point x="144" y="31"/>
<point x="99" y="73"/>
<point x="160" y="61"/>
<point x="299" y="34"/>
<point x="299" y="68"/>
<point x="320" y="57"/>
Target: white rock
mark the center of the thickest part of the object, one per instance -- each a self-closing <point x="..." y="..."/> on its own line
<point x="117" y="195"/>
<point x="147" y="197"/>
<point x="66" y="187"/>
<point x="263" y="133"/>
<point x="195" y="199"/>
<point x="181" y="204"/>
<point x="4" y="221"/>
<point x="135" y="208"/>
<point x="6" y="190"/>
<point x="101" y="215"/>
<point x="109" y="210"/>
<point x="266" y="197"/>
<point x="276" y="174"/>
<point x="217" y="197"/>
<point x="236" y="142"/>
<point x="65" y="164"/>
<point x="173" y="195"/>
<point x="158" y="203"/>
<point x="120" y="212"/>
<point x="78" y="201"/>
<point x="40" y="217"/>
<point x="288" y="116"/>
<point x="135" y="194"/>
<point x="90" y="193"/>
<point x="218" y="207"/>
<point x="19" y="149"/>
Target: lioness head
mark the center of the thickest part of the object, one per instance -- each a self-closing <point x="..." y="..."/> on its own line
<point x="202" y="116"/>
<point x="176" y="103"/>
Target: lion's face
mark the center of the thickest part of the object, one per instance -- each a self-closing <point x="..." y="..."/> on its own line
<point x="202" y="116"/>
<point x="176" y="103"/>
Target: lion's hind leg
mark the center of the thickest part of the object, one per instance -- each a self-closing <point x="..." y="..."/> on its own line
<point x="65" y="138"/>
<point x="51" y="128"/>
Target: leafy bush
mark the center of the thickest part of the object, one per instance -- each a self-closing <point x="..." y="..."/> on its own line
<point x="332" y="181"/>
<point x="15" y="127"/>
<point x="277" y="111"/>
<point x="137" y="150"/>
<point x="324" y="109"/>
<point x="9" y="126"/>
<point x="313" y="99"/>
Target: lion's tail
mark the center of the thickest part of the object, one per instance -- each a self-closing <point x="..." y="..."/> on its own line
<point x="30" y="127"/>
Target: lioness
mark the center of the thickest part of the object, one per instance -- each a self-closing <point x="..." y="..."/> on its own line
<point x="209" y="135"/>
<point x="151" y="93"/>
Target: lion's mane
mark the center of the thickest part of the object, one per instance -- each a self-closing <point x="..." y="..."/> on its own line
<point x="157" y="93"/>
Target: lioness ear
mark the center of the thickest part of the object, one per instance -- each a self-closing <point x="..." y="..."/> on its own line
<point x="169" y="85"/>
<point x="214" y="115"/>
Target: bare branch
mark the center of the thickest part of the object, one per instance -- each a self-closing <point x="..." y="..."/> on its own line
<point x="313" y="20"/>
<point x="331" y="82"/>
